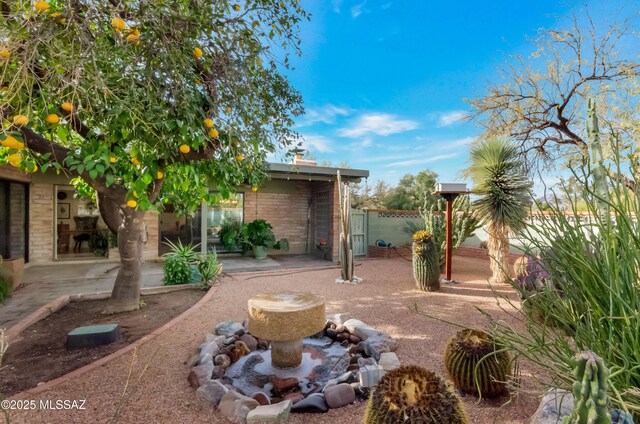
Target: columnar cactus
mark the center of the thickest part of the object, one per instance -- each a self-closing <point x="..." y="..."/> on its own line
<point x="474" y="365"/>
<point x="411" y="394"/>
<point x="426" y="265"/>
<point x="597" y="167"/>
<point x="589" y="391"/>
<point x="346" y="240"/>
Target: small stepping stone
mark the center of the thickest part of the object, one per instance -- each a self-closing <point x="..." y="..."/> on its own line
<point x="92" y="336"/>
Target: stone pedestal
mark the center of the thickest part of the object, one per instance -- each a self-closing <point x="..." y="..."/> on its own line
<point x="286" y="318"/>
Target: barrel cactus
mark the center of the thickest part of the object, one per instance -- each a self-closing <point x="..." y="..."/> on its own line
<point x="426" y="265"/>
<point x="412" y="394"/>
<point x="589" y="391"/>
<point x="475" y="364"/>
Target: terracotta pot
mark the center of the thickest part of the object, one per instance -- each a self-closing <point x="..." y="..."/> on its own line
<point x="12" y="270"/>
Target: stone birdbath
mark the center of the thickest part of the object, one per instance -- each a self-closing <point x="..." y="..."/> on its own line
<point x="285" y="318"/>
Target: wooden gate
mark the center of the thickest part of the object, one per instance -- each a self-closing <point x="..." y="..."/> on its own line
<point x="359" y="232"/>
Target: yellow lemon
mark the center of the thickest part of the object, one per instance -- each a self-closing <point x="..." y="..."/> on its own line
<point x="136" y="32"/>
<point x="67" y="106"/>
<point x="202" y="200"/>
<point x="236" y="7"/>
<point x="12" y="143"/>
<point x="132" y="203"/>
<point x="159" y="175"/>
<point x="15" y="159"/>
<point x="184" y="148"/>
<point x="112" y="159"/>
<point x="136" y="162"/>
<point x="35" y="168"/>
<point x="239" y="157"/>
<point x="135" y="194"/>
<point x="254" y="188"/>
<point x="52" y="118"/>
<point x="5" y="53"/>
<point x="197" y="53"/>
<point x="41" y="6"/>
<point x="250" y="167"/>
<point x="213" y="133"/>
<point x="118" y="24"/>
<point x="208" y="123"/>
<point x="20" y="120"/>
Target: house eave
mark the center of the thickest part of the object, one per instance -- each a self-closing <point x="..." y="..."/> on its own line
<point x="315" y="173"/>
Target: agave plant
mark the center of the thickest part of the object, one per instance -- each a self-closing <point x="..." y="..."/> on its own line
<point x="504" y="197"/>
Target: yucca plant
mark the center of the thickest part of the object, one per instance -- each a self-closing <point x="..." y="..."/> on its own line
<point x="504" y="197"/>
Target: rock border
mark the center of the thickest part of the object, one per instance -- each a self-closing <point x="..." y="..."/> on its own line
<point x="119" y="353"/>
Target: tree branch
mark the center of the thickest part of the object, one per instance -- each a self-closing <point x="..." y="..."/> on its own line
<point x="110" y="212"/>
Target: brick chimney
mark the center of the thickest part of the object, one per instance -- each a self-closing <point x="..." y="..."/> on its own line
<point x="297" y="160"/>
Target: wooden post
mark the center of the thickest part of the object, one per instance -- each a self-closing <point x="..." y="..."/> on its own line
<point x="449" y="242"/>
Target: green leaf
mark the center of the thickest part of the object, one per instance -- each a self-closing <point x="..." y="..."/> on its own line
<point x="93" y="173"/>
<point x="108" y="179"/>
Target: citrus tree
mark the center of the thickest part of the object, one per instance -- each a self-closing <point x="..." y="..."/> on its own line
<point x="148" y="102"/>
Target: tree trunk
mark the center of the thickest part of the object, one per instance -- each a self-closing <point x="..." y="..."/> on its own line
<point x="126" y="290"/>
<point x="498" y="246"/>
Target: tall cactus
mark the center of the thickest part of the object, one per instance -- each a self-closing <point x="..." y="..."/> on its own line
<point x="589" y="391"/>
<point x="426" y="267"/>
<point x="346" y="240"/>
<point x="597" y="167"/>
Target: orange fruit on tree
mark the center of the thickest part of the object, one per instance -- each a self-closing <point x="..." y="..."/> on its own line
<point x="185" y="149"/>
<point x="67" y="106"/>
<point x="208" y="123"/>
<point x="20" y="120"/>
<point x="159" y="175"/>
<point x="197" y="52"/>
<point x="112" y="159"/>
<point x="239" y="157"/>
<point x="12" y="143"/>
<point x="132" y="203"/>
<point x="213" y="133"/>
<point x="228" y="110"/>
<point x="41" y="6"/>
<point x="52" y="118"/>
<point x="118" y="24"/>
<point x="35" y="168"/>
<point x="15" y="159"/>
<point x="236" y="7"/>
<point x="133" y="39"/>
<point x="254" y="188"/>
<point x="5" y="53"/>
<point x="136" y="162"/>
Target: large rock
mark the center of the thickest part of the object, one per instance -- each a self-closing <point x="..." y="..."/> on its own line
<point x="229" y="328"/>
<point x="212" y="348"/>
<point x="200" y="374"/>
<point x="377" y="345"/>
<point x="213" y="338"/>
<point x="276" y="413"/>
<point x="314" y="403"/>
<point x="347" y="377"/>
<point x="339" y="395"/>
<point x="249" y="341"/>
<point x="338" y="318"/>
<point x="359" y="328"/>
<point x="389" y="361"/>
<point x="282" y="384"/>
<point x="235" y="407"/>
<point x="555" y="405"/>
<point x="211" y="392"/>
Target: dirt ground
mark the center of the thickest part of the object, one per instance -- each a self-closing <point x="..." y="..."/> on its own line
<point x="157" y="387"/>
<point x="40" y="354"/>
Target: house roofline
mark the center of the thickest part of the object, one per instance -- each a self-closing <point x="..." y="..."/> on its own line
<point x="318" y="173"/>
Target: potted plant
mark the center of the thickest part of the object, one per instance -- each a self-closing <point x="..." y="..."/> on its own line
<point x="258" y="235"/>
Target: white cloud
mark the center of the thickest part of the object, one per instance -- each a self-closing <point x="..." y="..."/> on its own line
<point x="316" y="142"/>
<point x="449" y="118"/>
<point x="326" y="114"/>
<point x="366" y="142"/>
<point x="455" y="144"/>
<point x="377" y="123"/>
<point x="421" y="161"/>
<point x="336" y="5"/>
<point x="357" y="9"/>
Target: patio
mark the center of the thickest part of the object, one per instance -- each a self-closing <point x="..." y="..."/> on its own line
<point x="387" y="282"/>
<point x="45" y="283"/>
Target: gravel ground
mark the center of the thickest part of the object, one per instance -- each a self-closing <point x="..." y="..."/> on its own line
<point x="162" y="394"/>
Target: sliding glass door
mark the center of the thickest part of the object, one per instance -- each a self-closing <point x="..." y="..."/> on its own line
<point x="13" y="220"/>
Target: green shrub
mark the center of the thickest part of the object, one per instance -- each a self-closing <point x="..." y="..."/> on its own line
<point x="176" y="271"/>
<point x="230" y="236"/>
<point x="179" y="265"/>
<point x="5" y="286"/>
<point x="208" y="268"/>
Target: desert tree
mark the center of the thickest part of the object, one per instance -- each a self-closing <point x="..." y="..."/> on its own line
<point x="539" y="101"/>
<point x="148" y="102"/>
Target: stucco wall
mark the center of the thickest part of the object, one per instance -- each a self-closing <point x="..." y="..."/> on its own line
<point x="41" y="231"/>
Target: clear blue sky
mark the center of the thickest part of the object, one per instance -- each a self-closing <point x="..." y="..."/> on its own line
<point x="384" y="82"/>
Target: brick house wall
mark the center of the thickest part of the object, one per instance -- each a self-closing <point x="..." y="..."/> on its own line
<point x="41" y="230"/>
<point x="287" y="211"/>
